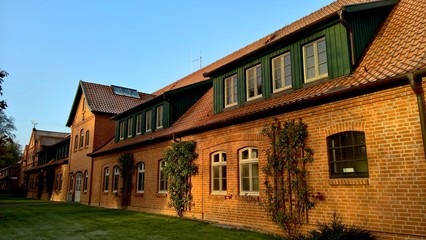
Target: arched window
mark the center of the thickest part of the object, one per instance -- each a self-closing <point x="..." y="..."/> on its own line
<point x="106" y="179"/>
<point x="87" y="138"/>
<point x="71" y="186"/>
<point x="76" y="143"/>
<point x="116" y="179"/>
<point x="162" y="178"/>
<point x="81" y="138"/>
<point x="140" y="178"/>
<point x="86" y="180"/>
<point x="218" y="172"/>
<point x="347" y="154"/>
<point x="249" y="171"/>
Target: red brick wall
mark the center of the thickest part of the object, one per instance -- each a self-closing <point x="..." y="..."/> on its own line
<point x="391" y="202"/>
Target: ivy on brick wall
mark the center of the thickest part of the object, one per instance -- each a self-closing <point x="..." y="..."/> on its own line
<point x="126" y="164"/>
<point x="287" y="190"/>
<point x="179" y="168"/>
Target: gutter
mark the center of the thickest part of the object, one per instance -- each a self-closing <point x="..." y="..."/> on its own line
<point x="351" y="35"/>
<point x="416" y="86"/>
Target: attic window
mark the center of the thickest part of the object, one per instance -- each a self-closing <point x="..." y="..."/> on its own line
<point x="122" y="91"/>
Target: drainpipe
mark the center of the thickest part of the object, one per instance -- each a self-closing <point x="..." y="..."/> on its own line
<point x="351" y="35"/>
<point x="418" y="90"/>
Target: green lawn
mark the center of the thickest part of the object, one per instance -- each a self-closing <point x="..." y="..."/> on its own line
<point x="35" y="219"/>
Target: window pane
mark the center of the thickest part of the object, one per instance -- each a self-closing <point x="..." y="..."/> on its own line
<point x="245" y="170"/>
<point x="321" y="46"/>
<point x="216" y="158"/>
<point x="215" y="172"/>
<point x="224" y="157"/>
<point x="245" y="184"/>
<point x="216" y="183"/>
<point x="254" y="153"/>
<point x="309" y="51"/>
<point x="311" y="72"/>
<point x="245" y="154"/>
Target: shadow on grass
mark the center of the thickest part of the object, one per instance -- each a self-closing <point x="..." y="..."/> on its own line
<point x="37" y="219"/>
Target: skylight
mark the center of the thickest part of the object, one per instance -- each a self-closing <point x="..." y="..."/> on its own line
<point x="122" y="91"/>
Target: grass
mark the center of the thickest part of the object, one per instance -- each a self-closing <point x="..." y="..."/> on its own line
<point x="36" y="219"/>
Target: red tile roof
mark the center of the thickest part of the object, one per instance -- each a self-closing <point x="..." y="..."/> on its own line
<point x="101" y="98"/>
<point x="398" y="48"/>
<point x="286" y="31"/>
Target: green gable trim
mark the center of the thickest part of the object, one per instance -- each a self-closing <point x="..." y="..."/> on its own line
<point x="368" y="6"/>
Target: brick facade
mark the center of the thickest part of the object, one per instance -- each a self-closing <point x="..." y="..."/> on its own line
<point x="389" y="202"/>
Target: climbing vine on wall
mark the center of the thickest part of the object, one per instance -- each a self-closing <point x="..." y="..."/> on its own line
<point x="179" y="168"/>
<point x="126" y="164"/>
<point x="287" y="190"/>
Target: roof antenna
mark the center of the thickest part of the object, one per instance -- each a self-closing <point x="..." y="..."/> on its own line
<point x="34" y="122"/>
<point x="199" y="59"/>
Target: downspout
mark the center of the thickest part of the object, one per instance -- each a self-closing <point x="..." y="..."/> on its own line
<point x="418" y="90"/>
<point x="351" y="35"/>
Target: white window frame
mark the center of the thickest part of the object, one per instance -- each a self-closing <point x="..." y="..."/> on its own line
<point x="148" y="121"/>
<point x="116" y="179"/>
<point x="85" y="181"/>
<point x="121" y="130"/>
<point x="140" y="175"/>
<point x="284" y="74"/>
<point x="106" y="179"/>
<point x="250" y="161"/>
<point x="159" y="117"/>
<point x="221" y="166"/>
<point x="139" y="124"/>
<point x="233" y="92"/>
<point x="130" y="127"/>
<point x="162" y="178"/>
<point x="253" y="71"/>
<point x="317" y="76"/>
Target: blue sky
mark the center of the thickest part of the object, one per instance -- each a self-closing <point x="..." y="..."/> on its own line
<point x="47" y="46"/>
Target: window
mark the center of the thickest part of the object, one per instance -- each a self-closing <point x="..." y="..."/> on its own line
<point x="254" y="82"/>
<point x="315" y="60"/>
<point x="121" y="130"/>
<point x="81" y="138"/>
<point x="87" y="138"/>
<point x="140" y="178"/>
<point x="249" y="171"/>
<point x="106" y="179"/>
<point x="84" y="105"/>
<point x="159" y="117"/>
<point x="347" y="155"/>
<point x="129" y="127"/>
<point x="125" y="92"/>
<point x="76" y="143"/>
<point x="218" y="175"/>
<point x="148" y="121"/>
<point x="231" y="94"/>
<point x="86" y="180"/>
<point x="71" y="187"/>
<point x="115" y="179"/>
<point x="138" y="124"/>
<point x="162" y="176"/>
<point x="281" y="72"/>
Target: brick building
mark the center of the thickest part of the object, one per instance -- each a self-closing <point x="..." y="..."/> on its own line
<point x="91" y="127"/>
<point x="354" y="71"/>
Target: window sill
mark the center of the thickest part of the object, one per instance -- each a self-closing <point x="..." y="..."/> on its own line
<point x="161" y="195"/>
<point x="218" y="193"/>
<point x="138" y="194"/>
<point x="251" y="197"/>
<point x="350" y="181"/>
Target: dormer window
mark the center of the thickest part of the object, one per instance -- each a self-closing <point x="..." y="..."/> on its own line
<point x="231" y="96"/>
<point x="159" y="117"/>
<point x="138" y="124"/>
<point x="129" y="127"/>
<point x="254" y="82"/>
<point x="121" y="130"/>
<point x="315" y="60"/>
<point x="281" y="72"/>
<point x="148" y="121"/>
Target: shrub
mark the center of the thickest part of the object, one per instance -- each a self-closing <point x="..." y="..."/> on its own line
<point x="336" y="230"/>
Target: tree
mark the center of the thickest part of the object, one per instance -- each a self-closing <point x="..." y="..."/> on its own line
<point x="179" y="168"/>
<point x="10" y="154"/>
<point x="126" y="164"/>
<point x="7" y="127"/>
<point x="3" y="74"/>
<point x="288" y="194"/>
